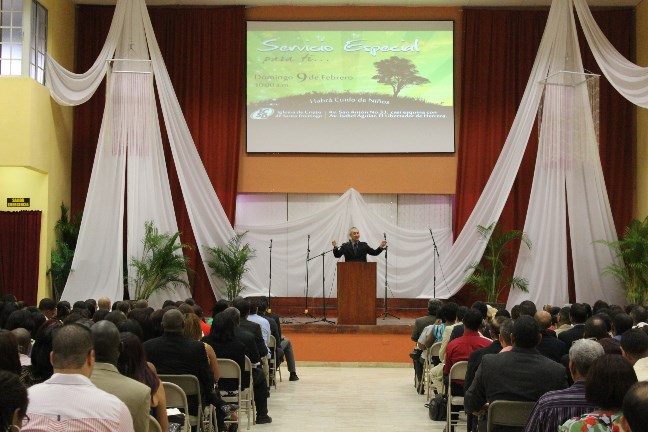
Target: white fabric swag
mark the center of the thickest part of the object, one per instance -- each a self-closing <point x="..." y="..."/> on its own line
<point x="567" y="171"/>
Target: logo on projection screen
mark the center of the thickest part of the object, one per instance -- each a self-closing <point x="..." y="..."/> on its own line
<point x="262" y="114"/>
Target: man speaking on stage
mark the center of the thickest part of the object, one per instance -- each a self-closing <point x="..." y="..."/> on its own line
<point x="355" y="250"/>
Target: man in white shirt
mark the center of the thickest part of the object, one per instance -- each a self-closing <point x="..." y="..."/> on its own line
<point x="68" y="400"/>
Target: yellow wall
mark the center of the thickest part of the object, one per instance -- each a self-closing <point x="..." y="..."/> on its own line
<point x="642" y="116"/>
<point x="36" y="137"/>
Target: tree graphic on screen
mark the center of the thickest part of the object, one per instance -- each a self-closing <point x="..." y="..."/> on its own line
<point x="398" y="73"/>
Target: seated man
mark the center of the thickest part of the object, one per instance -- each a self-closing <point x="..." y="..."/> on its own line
<point x="284" y="346"/>
<point x="174" y="354"/>
<point x="69" y="400"/>
<point x="522" y="374"/>
<point x="556" y="407"/>
<point x="635" y="408"/>
<point x="134" y="394"/>
<point x="634" y="347"/>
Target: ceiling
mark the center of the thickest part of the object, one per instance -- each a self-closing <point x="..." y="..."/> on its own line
<point x="433" y="3"/>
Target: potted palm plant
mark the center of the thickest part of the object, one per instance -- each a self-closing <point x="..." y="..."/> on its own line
<point x="488" y="275"/>
<point x="632" y="270"/>
<point x="161" y="267"/>
<point x="229" y="263"/>
<point x="67" y="234"/>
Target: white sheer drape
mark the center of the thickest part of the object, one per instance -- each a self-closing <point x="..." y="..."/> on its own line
<point x="568" y="164"/>
<point x="130" y="143"/>
<point x="409" y="263"/>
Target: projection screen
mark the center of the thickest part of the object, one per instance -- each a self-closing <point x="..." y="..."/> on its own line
<point x="350" y="87"/>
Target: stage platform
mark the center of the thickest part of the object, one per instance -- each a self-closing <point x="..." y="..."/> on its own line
<point x="317" y="341"/>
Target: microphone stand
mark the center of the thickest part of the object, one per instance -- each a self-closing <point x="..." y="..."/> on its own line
<point x="385" y="313"/>
<point x="306" y="297"/>
<point x="323" y="319"/>
<point x="270" y="277"/>
<point x="437" y="256"/>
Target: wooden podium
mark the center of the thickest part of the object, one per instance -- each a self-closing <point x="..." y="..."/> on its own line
<point x="356" y="293"/>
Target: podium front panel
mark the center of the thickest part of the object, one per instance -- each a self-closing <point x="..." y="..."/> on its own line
<point x="356" y="293"/>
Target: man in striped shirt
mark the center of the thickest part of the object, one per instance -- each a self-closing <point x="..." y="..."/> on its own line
<point x="68" y="400"/>
<point x="555" y="407"/>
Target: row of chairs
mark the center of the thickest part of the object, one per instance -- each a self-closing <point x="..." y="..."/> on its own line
<point x="500" y="413"/>
<point x="178" y="387"/>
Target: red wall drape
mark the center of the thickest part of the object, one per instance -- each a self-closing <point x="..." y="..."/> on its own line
<point x="19" y="254"/>
<point x="203" y="49"/>
<point x="498" y="52"/>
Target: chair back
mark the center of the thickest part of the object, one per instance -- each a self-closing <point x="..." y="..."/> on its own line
<point x="191" y="387"/>
<point x="230" y="369"/>
<point x="433" y="351"/>
<point x="272" y="362"/>
<point x="154" y="426"/>
<point x="508" y="413"/>
<point x="176" y="398"/>
<point x="457" y="372"/>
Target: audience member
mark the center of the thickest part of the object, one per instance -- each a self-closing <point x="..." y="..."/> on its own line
<point x="9" y="356"/>
<point x="116" y="317"/>
<point x="100" y="315"/>
<point x="528" y="308"/>
<point x="106" y="376"/>
<point x="13" y="402"/>
<point x="174" y="354"/>
<point x="63" y="309"/>
<point x="47" y="308"/>
<point x="522" y="374"/>
<point x="577" y="316"/>
<point x="23" y="337"/>
<point x="460" y="348"/>
<point x="69" y="400"/>
<point x="639" y="316"/>
<point x="621" y="323"/>
<point x="41" y="367"/>
<point x="550" y="346"/>
<point x="556" y="407"/>
<point x="192" y="330"/>
<point x="458" y="330"/>
<point x="422" y="322"/>
<point x="104" y="303"/>
<point x="634" y="347"/>
<point x="131" y="326"/>
<point x="132" y="363"/>
<point x="284" y="345"/>
<point x="449" y="313"/>
<point x="476" y="356"/>
<point x="506" y="329"/>
<point x="608" y="380"/>
<point x="635" y="408"/>
<point x="227" y="345"/>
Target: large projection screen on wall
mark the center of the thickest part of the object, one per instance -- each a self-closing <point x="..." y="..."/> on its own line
<point x="350" y="87"/>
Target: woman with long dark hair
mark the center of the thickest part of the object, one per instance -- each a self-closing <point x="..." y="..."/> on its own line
<point x="13" y="402"/>
<point x="41" y="367"/>
<point x="9" y="356"/>
<point x="132" y="363"/>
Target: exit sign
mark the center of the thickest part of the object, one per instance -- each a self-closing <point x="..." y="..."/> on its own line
<point x="17" y="202"/>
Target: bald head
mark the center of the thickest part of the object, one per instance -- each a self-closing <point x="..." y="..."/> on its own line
<point x="104" y="303"/>
<point x="105" y="336"/>
<point x="544" y="319"/>
<point x="173" y="321"/>
<point x="24" y="339"/>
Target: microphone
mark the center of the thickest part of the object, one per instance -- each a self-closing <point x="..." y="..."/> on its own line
<point x="270" y="243"/>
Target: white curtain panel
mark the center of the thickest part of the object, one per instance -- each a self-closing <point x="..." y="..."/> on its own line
<point x="409" y="260"/>
<point x="630" y="80"/>
<point x="131" y="133"/>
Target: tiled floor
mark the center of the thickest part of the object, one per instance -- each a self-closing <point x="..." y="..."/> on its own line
<point x="348" y="397"/>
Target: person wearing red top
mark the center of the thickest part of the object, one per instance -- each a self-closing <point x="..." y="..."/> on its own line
<point x="460" y="348"/>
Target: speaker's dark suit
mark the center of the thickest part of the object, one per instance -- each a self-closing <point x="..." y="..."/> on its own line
<point x="518" y="375"/>
<point x="357" y="255"/>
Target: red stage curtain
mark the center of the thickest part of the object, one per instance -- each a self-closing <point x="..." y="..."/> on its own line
<point x="499" y="48"/>
<point x="203" y="49"/>
<point x="19" y="254"/>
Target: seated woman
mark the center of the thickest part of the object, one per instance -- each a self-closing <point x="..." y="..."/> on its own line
<point x="13" y="402"/>
<point x="41" y="368"/>
<point x="608" y="380"/>
<point x="132" y="363"/>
